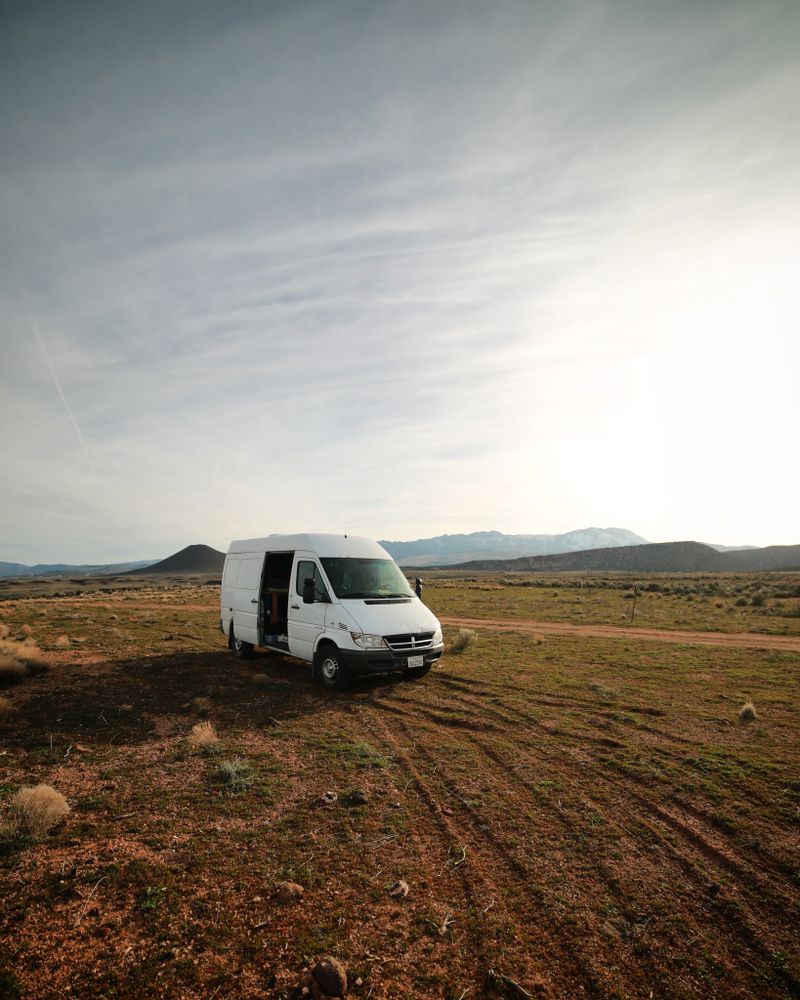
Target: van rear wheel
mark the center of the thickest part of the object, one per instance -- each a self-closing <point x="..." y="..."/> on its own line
<point x="242" y="649"/>
<point x="331" y="671"/>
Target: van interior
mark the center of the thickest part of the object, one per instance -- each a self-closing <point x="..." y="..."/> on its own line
<point x="273" y="606"/>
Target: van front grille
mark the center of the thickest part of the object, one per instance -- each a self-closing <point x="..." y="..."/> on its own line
<point x="410" y="642"/>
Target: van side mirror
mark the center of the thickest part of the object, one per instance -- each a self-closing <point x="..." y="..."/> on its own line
<point x="308" y="591"/>
<point x="418" y="587"/>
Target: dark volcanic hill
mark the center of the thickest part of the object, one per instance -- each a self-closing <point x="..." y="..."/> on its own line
<point x="192" y="559"/>
<point x="663" y="557"/>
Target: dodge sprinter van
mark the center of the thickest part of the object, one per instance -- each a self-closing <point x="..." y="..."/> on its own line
<point x="338" y="602"/>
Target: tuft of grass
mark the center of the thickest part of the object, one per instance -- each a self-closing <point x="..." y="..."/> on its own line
<point x="62" y="642"/>
<point x="747" y="713"/>
<point x="236" y="774"/>
<point x="3" y="630"/>
<point x="27" y="631"/>
<point x="33" y="812"/>
<point x="465" y="639"/>
<point x="259" y="680"/>
<point x="203" y="737"/>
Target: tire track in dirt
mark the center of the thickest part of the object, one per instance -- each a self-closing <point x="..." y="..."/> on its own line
<point x="758" y="857"/>
<point x="561" y="937"/>
<point x="762" y="901"/>
<point x="740" y="640"/>
<point x="496" y="708"/>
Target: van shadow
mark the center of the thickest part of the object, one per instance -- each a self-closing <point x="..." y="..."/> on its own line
<point x="121" y="701"/>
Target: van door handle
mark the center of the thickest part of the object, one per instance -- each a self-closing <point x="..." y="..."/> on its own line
<point x="296" y="607"/>
<point x="254" y="600"/>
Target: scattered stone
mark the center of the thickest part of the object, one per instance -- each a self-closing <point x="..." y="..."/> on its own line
<point x="400" y="889"/>
<point x="326" y="799"/>
<point x="359" y="981"/>
<point x="357" y="798"/>
<point x="288" y="892"/>
<point x="330" y="976"/>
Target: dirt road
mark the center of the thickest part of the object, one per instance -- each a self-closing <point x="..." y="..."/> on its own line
<point x="740" y="640"/>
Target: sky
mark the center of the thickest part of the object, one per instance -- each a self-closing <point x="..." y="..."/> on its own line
<point x="396" y="269"/>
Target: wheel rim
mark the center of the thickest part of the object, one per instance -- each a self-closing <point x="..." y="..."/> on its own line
<point x="237" y="644"/>
<point x="330" y="668"/>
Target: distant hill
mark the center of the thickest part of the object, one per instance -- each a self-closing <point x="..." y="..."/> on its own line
<point x="662" y="557"/>
<point x="8" y="569"/>
<point x="446" y="550"/>
<point x="192" y="559"/>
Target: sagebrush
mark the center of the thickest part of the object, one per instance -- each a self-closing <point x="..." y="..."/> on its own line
<point x="34" y="811"/>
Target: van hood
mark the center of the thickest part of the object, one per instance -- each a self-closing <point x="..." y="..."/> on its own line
<point x="388" y="618"/>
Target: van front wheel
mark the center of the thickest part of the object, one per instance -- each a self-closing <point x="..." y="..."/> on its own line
<point x="331" y="670"/>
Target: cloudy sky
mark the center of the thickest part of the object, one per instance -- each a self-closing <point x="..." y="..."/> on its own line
<point x="397" y="269"/>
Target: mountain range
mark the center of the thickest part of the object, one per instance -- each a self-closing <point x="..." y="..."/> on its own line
<point x="662" y="557"/>
<point x="585" y="549"/>
<point x="447" y="550"/>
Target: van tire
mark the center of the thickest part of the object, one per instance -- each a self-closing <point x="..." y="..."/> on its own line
<point x="241" y="649"/>
<point x="415" y="673"/>
<point x="329" y="668"/>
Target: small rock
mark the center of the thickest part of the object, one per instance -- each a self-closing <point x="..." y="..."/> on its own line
<point x="327" y="799"/>
<point x="359" y="981"/>
<point x="330" y="976"/>
<point x="400" y="889"/>
<point x="288" y="892"/>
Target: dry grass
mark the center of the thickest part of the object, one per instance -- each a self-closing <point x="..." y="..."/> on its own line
<point x="203" y="737"/>
<point x="201" y="705"/>
<point x="259" y="680"/>
<point x="27" y="631"/>
<point x="465" y="639"/>
<point x="62" y="642"/>
<point x="3" y="630"/>
<point x="34" y="811"/>
<point x="5" y="708"/>
<point x="748" y="713"/>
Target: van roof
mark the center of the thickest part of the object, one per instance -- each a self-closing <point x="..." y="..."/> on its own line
<point x="322" y="545"/>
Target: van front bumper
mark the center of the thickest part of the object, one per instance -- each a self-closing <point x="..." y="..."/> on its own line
<point x="382" y="661"/>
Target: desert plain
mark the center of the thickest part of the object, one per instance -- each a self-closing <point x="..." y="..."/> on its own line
<point x="569" y="807"/>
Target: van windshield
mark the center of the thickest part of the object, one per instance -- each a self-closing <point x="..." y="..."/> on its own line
<point x="366" y="578"/>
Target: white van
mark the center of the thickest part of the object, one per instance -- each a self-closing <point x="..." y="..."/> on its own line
<point x="338" y="602"/>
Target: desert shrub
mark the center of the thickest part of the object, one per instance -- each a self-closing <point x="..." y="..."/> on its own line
<point x="259" y="680"/>
<point x="62" y="642"/>
<point x="5" y="708"/>
<point x="34" y="811"/>
<point x="203" y="737"/>
<point x="3" y="630"/>
<point x="748" y="713"/>
<point x="758" y="600"/>
<point x="740" y="602"/>
<point x="465" y="639"/>
<point x="201" y="705"/>
<point x="236" y="774"/>
<point x="26" y="631"/>
<point x="11" y="669"/>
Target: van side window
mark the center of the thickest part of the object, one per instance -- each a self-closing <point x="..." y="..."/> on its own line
<point x="307" y="570"/>
<point x="229" y="574"/>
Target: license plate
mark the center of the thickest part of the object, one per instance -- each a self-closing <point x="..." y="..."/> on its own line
<point x="415" y="661"/>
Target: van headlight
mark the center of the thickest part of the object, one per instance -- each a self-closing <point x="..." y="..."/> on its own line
<point x="368" y="641"/>
<point x="437" y="637"/>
